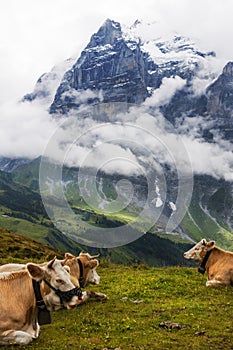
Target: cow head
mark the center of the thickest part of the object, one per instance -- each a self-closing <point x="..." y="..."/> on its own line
<point x="198" y="252"/>
<point x="90" y="276"/>
<point x="59" y="279"/>
<point x="86" y="273"/>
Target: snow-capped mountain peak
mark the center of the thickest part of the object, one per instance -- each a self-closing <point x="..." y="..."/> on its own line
<point x="106" y="35"/>
<point x="127" y="64"/>
<point x="164" y="46"/>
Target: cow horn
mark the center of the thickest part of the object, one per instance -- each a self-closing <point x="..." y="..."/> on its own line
<point x="50" y="263"/>
<point x="94" y="256"/>
<point x="69" y="256"/>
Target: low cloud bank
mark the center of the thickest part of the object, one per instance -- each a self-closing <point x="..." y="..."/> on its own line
<point x="134" y="143"/>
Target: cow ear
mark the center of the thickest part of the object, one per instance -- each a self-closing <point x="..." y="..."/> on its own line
<point x="210" y="245"/>
<point x="204" y="241"/>
<point x="51" y="262"/>
<point x="93" y="263"/>
<point x="69" y="256"/>
<point x="35" y="271"/>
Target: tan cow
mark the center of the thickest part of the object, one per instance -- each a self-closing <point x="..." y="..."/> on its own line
<point x="18" y="305"/>
<point x="217" y="262"/>
<point x="83" y="268"/>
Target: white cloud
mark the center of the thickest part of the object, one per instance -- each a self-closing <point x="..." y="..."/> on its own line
<point x="209" y="69"/>
<point x="79" y="97"/>
<point x="166" y="91"/>
<point x="134" y="144"/>
<point x="210" y="159"/>
<point x="137" y="142"/>
<point x="25" y="129"/>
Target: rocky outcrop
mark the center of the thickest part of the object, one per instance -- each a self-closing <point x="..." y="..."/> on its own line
<point x="220" y="101"/>
<point x="109" y="64"/>
<point x="118" y="66"/>
<point x="220" y="94"/>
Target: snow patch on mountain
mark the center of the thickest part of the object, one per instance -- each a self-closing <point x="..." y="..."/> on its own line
<point x="48" y="83"/>
<point x="169" y="50"/>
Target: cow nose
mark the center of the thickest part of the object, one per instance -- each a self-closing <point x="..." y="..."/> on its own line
<point x="184" y="255"/>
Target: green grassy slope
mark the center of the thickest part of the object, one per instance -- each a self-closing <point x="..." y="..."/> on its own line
<point x="28" y="174"/>
<point x="208" y="214"/>
<point x="21" y="211"/>
<point x="25" y="214"/>
<point x="17" y="248"/>
<point x="140" y="298"/>
<point x="203" y="226"/>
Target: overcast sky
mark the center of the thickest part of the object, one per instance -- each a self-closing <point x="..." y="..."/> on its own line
<point x="35" y="35"/>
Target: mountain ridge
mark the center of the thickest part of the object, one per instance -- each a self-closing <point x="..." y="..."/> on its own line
<point x="131" y="64"/>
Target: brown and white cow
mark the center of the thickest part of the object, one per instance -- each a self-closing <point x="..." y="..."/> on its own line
<point x="217" y="262"/>
<point x="83" y="268"/>
<point x="18" y="308"/>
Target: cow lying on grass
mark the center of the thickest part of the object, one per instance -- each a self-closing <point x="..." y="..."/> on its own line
<point x="82" y="268"/>
<point x="19" y="305"/>
<point x="217" y="262"/>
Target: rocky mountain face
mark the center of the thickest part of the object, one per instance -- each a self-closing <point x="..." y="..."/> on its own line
<point x="8" y="164"/>
<point x="117" y="66"/>
<point x="220" y="101"/>
<point x="220" y="94"/>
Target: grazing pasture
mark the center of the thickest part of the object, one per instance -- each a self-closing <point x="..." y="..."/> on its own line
<point x="142" y="302"/>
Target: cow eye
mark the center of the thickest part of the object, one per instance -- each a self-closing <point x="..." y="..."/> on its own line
<point x="59" y="281"/>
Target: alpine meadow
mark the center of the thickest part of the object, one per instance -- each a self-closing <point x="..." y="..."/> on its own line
<point x="148" y="308"/>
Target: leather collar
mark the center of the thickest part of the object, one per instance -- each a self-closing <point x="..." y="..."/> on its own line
<point x="81" y="277"/>
<point x="67" y="295"/>
<point x="202" y="267"/>
<point x="43" y="314"/>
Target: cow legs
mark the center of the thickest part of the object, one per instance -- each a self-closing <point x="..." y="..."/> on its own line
<point x="16" y="337"/>
<point x="19" y="337"/>
<point x="95" y="295"/>
<point x="214" y="283"/>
